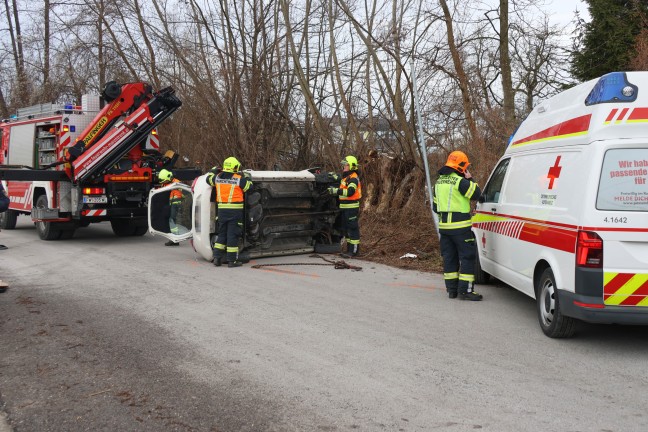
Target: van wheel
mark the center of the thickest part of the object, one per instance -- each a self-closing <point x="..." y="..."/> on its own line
<point x="481" y="277"/>
<point x="46" y="230"/>
<point x="8" y="219"/>
<point x="553" y="323"/>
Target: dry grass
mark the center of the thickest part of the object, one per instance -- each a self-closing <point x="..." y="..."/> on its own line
<point x="386" y="238"/>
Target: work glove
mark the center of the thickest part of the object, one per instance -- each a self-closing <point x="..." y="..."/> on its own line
<point x="247" y="174"/>
<point x="333" y="191"/>
<point x="210" y="178"/>
<point x="334" y="176"/>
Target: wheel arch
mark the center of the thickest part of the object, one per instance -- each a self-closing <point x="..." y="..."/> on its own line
<point x="38" y="191"/>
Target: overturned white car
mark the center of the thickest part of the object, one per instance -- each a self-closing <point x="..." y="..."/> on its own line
<point x="286" y="213"/>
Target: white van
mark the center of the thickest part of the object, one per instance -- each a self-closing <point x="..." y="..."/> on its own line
<point x="564" y="215"/>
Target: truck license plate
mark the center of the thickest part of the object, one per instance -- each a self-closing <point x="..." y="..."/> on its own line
<point x="95" y="199"/>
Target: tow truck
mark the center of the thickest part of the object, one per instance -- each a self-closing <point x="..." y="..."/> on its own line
<point x="68" y="166"/>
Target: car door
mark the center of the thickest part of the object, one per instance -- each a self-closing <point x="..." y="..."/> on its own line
<point x="486" y="221"/>
<point x="176" y="224"/>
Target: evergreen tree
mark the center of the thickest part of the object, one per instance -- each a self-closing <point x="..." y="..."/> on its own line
<point x="608" y="42"/>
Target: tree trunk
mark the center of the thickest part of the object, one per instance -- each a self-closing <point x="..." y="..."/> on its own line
<point x="505" y="65"/>
<point x="462" y="78"/>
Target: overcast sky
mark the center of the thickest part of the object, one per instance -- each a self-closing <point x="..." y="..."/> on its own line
<point x="562" y="11"/>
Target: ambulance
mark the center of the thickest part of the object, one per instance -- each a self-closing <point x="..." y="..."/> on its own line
<point x="564" y="214"/>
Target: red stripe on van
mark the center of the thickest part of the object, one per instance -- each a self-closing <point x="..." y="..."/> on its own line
<point x="639" y="114"/>
<point x="623" y="113"/>
<point x="611" y="116"/>
<point x="616" y="283"/>
<point x="575" y="125"/>
<point x="633" y="230"/>
<point x="555" y="238"/>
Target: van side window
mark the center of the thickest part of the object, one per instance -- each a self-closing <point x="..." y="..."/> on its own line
<point x="622" y="186"/>
<point x="494" y="186"/>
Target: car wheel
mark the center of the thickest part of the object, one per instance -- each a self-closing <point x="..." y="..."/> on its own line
<point x="553" y="323"/>
<point x="327" y="248"/>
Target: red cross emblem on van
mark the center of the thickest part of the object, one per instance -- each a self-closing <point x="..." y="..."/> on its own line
<point x="554" y="172"/>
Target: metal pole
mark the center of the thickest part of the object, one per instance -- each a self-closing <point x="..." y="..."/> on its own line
<point x="428" y="180"/>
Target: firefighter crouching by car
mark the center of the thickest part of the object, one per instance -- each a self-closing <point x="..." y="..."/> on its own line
<point x="175" y="202"/>
<point x="349" y="193"/>
<point x="230" y="188"/>
<point x="453" y="191"/>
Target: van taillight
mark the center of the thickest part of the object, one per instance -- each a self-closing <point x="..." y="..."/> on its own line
<point x="589" y="250"/>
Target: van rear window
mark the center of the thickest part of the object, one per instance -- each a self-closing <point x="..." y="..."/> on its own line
<point x="623" y="184"/>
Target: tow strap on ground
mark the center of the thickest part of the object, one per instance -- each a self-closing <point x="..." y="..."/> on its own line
<point x="338" y="264"/>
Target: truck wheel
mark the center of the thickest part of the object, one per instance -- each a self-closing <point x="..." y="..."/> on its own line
<point x="46" y="230"/>
<point x="481" y="277"/>
<point x="8" y="219"/>
<point x="140" y="231"/>
<point x="553" y="323"/>
<point x="67" y="234"/>
<point x="122" y="227"/>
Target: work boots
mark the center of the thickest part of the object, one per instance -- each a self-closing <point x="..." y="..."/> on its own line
<point x="473" y="296"/>
<point x="353" y="250"/>
<point x="218" y="258"/>
<point x="234" y="264"/>
<point x="170" y="243"/>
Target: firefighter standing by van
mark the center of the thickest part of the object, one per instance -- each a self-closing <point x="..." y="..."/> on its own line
<point x="231" y="187"/>
<point x="349" y="193"/>
<point x="453" y="191"/>
<point x="175" y="202"/>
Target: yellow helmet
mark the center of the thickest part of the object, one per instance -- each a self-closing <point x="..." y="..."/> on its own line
<point x="165" y="176"/>
<point x="351" y="161"/>
<point x="458" y="160"/>
<point x="231" y="164"/>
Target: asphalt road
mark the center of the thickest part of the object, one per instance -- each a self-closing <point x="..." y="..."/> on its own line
<point x="123" y="334"/>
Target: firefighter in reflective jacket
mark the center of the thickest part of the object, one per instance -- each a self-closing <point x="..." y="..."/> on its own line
<point x="175" y="202"/>
<point x="230" y="195"/>
<point x="453" y="191"/>
<point x="349" y="193"/>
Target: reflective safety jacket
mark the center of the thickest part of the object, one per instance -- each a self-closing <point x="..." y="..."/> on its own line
<point x="350" y="190"/>
<point x="230" y="189"/>
<point x="452" y="196"/>
<point x="175" y="197"/>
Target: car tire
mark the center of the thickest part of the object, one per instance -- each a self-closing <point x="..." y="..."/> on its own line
<point x="553" y="323"/>
<point x="327" y="248"/>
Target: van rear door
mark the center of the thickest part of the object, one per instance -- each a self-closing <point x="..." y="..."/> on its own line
<point x="621" y="220"/>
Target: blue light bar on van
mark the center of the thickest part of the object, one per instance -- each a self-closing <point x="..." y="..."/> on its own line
<point x="612" y="88"/>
